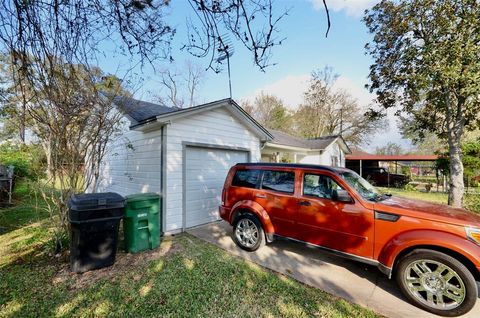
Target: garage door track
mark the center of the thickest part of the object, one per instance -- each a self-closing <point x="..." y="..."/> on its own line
<point x="356" y="282"/>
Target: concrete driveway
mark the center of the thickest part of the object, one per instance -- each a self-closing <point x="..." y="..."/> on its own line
<point x="356" y="282"/>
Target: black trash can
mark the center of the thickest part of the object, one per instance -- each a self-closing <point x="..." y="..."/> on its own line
<point x="94" y="220"/>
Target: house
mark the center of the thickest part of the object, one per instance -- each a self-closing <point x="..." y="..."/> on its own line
<point x="326" y="150"/>
<point x="185" y="154"/>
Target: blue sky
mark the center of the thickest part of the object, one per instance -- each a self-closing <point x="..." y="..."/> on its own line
<point x="304" y="50"/>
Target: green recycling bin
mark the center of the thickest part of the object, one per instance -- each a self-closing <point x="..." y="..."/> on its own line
<point x="141" y="225"/>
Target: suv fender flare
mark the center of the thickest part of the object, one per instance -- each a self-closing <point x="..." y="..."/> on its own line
<point x="257" y="210"/>
<point x="425" y="238"/>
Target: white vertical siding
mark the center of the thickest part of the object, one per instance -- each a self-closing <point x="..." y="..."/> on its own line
<point x="325" y="157"/>
<point x="215" y="127"/>
<point x="333" y="149"/>
<point x="311" y="158"/>
<point x="132" y="163"/>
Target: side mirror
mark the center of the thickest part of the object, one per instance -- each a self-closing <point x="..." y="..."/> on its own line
<point x="341" y="195"/>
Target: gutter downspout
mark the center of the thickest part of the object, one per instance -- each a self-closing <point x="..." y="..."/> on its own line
<point x="163" y="178"/>
<point x="263" y="144"/>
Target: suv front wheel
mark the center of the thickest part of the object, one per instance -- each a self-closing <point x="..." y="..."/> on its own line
<point x="437" y="282"/>
<point x="248" y="232"/>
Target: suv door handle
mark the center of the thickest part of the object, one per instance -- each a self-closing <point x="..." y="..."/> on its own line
<point x="304" y="203"/>
<point x="260" y="195"/>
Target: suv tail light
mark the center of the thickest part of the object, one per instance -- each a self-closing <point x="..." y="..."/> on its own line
<point x="224" y="196"/>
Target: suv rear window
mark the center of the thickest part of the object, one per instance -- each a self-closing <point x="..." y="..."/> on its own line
<point x="281" y="181"/>
<point x="246" y="178"/>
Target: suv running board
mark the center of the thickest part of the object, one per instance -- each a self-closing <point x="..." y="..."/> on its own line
<point x="383" y="268"/>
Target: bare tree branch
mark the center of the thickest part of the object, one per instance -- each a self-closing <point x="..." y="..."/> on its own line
<point x="253" y="23"/>
<point x="181" y="85"/>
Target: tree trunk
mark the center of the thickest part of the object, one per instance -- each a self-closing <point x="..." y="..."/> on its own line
<point x="457" y="188"/>
<point x="47" y="147"/>
<point x="96" y="168"/>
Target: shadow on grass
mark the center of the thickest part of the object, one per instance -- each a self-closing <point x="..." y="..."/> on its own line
<point x="186" y="277"/>
<point x="190" y="278"/>
<point x="26" y="209"/>
<point x="330" y="273"/>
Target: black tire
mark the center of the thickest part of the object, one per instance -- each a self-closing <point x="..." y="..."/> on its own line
<point x="420" y="276"/>
<point x="257" y="237"/>
<point x="398" y="184"/>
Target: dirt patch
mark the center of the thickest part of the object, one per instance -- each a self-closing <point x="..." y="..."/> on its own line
<point x="124" y="263"/>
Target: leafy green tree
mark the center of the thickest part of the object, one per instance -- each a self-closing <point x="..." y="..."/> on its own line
<point x="426" y="62"/>
<point x="19" y="104"/>
<point x="270" y="111"/>
<point x="73" y="119"/>
<point x="330" y="111"/>
<point x="28" y="160"/>
<point x="390" y="149"/>
<point x="471" y="160"/>
<point x="425" y="142"/>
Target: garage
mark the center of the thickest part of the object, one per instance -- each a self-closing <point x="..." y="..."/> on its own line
<point x="181" y="154"/>
<point x="205" y="172"/>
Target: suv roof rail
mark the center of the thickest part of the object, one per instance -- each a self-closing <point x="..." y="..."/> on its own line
<point x="291" y="165"/>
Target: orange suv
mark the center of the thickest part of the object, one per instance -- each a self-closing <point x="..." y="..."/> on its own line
<point x="432" y="250"/>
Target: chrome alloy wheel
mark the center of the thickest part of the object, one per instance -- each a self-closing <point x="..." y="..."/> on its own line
<point x="246" y="233"/>
<point x="434" y="284"/>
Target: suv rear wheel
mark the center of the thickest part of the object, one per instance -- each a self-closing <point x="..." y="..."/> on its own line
<point x="437" y="282"/>
<point x="248" y="232"/>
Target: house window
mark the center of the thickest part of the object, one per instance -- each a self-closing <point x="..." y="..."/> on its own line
<point x="334" y="160"/>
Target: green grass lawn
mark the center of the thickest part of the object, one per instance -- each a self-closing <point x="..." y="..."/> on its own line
<point x="471" y="201"/>
<point x="185" y="277"/>
<point x="436" y="197"/>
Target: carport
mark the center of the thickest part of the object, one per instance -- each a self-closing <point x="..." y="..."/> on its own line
<point x="358" y="161"/>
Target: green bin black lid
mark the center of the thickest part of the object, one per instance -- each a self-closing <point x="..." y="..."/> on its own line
<point x="142" y="196"/>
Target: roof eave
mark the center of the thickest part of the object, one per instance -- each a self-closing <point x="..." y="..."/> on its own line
<point x="147" y="125"/>
<point x="373" y="157"/>
<point x="166" y="118"/>
<point x="347" y="149"/>
<point x="288" y="147"/>
<point x="265" y="131"/>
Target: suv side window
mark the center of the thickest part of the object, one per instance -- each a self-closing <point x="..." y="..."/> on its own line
<point x="319" y="186"/>
<point x="282" y="181"/>
<point x="246" y="178"/>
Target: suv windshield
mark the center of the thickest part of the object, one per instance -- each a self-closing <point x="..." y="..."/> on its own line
<point x="365" y="189"/>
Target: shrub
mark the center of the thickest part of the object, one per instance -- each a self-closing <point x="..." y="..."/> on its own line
<point x="409" y="187"/>
<point x="28" y="160"/>
<point x="428" y="187"/>
<point x="425" y="179"/>
<point x="472" y="202"/>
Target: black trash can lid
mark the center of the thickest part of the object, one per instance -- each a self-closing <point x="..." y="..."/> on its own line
<point x="95" y="205"/>
<point x="88" y="201"/>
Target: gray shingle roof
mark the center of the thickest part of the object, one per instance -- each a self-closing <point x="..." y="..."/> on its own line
<point x="144" y="112"/>
<point x="139" y="110"/>
<point x="281" y="138"/>
<point x="321" y="142"/>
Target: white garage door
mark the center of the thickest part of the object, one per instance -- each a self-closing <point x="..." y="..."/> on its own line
<point x="206" y="170"/>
